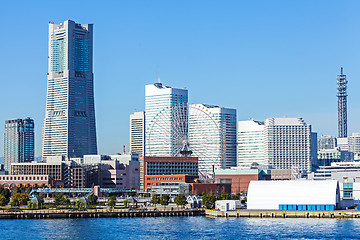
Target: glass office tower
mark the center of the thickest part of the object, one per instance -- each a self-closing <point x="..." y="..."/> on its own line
<point x="18" y="141"/>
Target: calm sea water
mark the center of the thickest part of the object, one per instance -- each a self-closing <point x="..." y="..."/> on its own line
<point x="180" y="228"/>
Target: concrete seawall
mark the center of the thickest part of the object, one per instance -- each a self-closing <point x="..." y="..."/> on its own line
<point x="283" y="214"/>
<point x="97" y="214"/>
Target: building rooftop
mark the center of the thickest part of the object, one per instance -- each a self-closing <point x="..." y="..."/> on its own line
<point x="285" y="121"/>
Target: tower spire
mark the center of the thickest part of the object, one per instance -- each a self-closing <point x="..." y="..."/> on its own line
<point x="342" y="104"/>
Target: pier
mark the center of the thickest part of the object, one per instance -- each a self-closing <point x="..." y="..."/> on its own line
<point x="44" y="214"/>
<point x="283" y="214"/>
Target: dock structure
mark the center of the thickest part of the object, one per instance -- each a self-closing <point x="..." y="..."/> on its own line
<point x="283" y="214"/>
<point x="51" y="214"/>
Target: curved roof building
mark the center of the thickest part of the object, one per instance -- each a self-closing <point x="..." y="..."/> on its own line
<point x="263" y="195"/>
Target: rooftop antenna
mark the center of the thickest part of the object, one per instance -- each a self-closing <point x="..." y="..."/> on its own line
<point x="158" y="76"/>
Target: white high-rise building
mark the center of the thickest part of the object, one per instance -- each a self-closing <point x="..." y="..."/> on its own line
<point x="288" y="144"/>
<point x="160" y="98"/>
<point x="137" y="133"/>
<point x="212" y="136"/>
<point x="354" y="143"/>
<point x="69" y="124"/>
<point x="250" y="143"/>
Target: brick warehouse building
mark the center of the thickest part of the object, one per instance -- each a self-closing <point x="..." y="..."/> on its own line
<point x="240" y="178"/>
<point x="155" y="170"/>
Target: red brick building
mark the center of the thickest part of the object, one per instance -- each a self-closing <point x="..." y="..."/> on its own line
<point x="154" y="170"/>
<point x="210" y="188"/>
<point x="240" y="178"/>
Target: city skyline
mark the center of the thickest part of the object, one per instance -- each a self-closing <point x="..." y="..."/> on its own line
<point x="261" y="68"/>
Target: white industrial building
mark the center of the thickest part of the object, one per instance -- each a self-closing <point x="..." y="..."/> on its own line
<point x="227" y="205"/>
<point x="348" y="176"/>
<point x="270" y="195"/>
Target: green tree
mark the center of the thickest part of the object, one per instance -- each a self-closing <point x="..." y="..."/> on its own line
<point x="5" y="192"/>
<point x="79" y="205"/>
<point x="61" y="200"/>
<point x="155" y="200"/>
<point x="235" y="197"/>
<point x="244" y="200"/>
<point x="126" y="202"/>
<point x="19" y="199"/>
<point x="93" y="199"/>
<point x="208" y="201"/>
<point x="3" y="200"/>
<point x="180" y="200"/>
<point x="224" y="197"/>
<point x="111" y="201"/>
<point x="164" y="200"/>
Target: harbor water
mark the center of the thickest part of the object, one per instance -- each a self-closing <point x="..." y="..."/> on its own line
<point x="181" y="228"/>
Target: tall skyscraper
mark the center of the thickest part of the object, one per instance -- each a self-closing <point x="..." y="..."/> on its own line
<point x="69" y="124"/>
<point x="162" y="98"/>
<point x="18" y="141"/>
<point x="213" y="144"/>
<point x="250" y="143"/>
<point x="137" y="133"/>
<point x="342" y="104"/>
<point x="288" y="143"/>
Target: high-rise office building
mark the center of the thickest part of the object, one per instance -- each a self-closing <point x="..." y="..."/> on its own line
<point x="354" y="143"/>
<point x="137" y="132"/>
<point x="18" y="141"/>
<point x="213" y="144"/>
<point x="250" y="143"/>
<point x="160" y="98"/>
<point x="69" y="124"/>
<point x="326" y="142"/>
<point x="288" y="143"/>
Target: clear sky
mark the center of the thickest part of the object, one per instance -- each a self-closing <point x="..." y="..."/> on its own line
<point x="264" y="58"/>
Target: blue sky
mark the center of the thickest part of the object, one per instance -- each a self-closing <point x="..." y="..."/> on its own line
<point x="264" y="58"/>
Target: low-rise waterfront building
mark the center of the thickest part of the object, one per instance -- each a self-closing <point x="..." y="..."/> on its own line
<point x="155" y="170"/>
<point x="348" y="176"/>
<point x="26" y="181"/>
<point x="293" y="195"/>
<point x="240" y="178"/>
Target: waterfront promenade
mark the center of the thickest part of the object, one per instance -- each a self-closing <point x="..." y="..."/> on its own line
<point x="47" y="214"/>
<point x="283" y="214"/>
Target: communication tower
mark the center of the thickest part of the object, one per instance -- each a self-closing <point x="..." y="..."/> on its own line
<point x="342" y="104"/>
